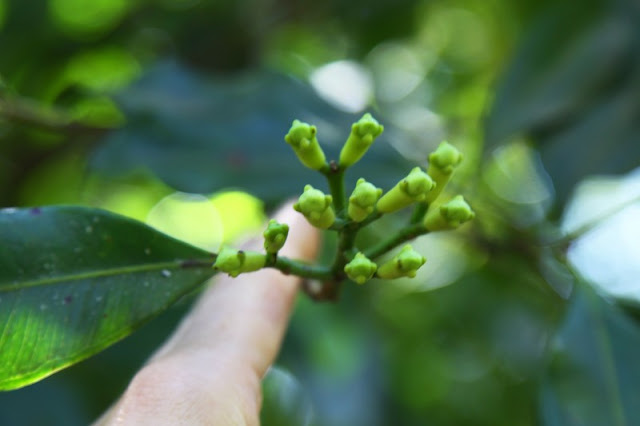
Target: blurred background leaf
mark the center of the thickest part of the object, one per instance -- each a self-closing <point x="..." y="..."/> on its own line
<point x="573" y="89"/>
<point x="284" y="400"/>
<point x="201" y="135"/>
<point x="592" y="374"/>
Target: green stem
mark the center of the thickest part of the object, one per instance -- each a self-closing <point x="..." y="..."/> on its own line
<point x="345" y="246"/>
<point x="339" y="224"/>
<point x="372" y="218"/>
<point x="29" y="113"/>
<point x="294" y="267"/>
<point x="335" y="178"/>
<point x="404" y="235"/>
<point x="418" y="213"/>
<point x="271" y="259"/>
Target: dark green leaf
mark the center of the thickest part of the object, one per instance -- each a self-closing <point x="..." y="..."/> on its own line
<point x="285" y="400"/>
<point x="546" y="80"/>
<point x="74" y="280"/>
<point x="594" y="374"/>
<point x="200" y="135"/>
<point x="605" y="141"/>
<point x="573" y="89"/>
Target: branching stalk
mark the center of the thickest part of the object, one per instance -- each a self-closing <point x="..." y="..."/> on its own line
<point x="294" y="267"/>
<point x="418" y="213"/>
<point x="335" y="178"/>
<point x="404" y="235"/>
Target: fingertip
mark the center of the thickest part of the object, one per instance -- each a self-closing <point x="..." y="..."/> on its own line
<point x="303" y="240"/>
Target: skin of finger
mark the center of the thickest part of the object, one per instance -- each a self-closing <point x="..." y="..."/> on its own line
<point x="209" y="371"/>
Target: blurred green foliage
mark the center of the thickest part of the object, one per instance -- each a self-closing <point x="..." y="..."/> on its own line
<point x="117" y="104"/>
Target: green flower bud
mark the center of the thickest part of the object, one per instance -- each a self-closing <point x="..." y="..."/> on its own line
<point x="234" y="262"/>
<point x="360" y="139"/>
<point x="363" y="200"/>
<point x="414" y="188"/>
<point x="302" y="138"/>
<point x="360" y="269"/>
<point x="442" y="162"/>
<point x="316" y="207"/>
<point x="275" y="235"/>
<point x="404" y="264"/>
<point x="449" y="215"/>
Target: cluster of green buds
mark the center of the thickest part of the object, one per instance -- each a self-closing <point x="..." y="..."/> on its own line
<point x="334" y="211"/>
<point x="235" y="262"/>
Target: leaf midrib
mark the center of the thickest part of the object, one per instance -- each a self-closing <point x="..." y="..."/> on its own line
<point x="127" y="269"/>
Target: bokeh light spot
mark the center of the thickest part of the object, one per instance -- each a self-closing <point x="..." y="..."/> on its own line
<point x="188" y="217"/>
<point x="84" y="18"/>
<point x="345" y="84"/>
<point x="240" y="213"/>
<point x="607" y="254"/>
<point x="397" y="71"/>
<point x="520" y="183"/>
<point x="459" y="34"/>
<point x="102" y="70"/>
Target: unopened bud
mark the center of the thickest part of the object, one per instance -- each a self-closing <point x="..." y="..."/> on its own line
<point x="442" y="162"/>
<point x="275" y="236"/>
<point x="449" y="215"/>
<point x="362" y="135"/>
<point x="363" y="200"/>
<point x="413" y="188"/>
<point x="303" y="140"/>
<point x="234" y="262"/>
<point x="360" y="269"/>
<point x="404" y="264"/>
<point x="316" y="207"/>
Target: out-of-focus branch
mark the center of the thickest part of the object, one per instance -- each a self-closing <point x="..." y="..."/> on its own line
<point x="26" y="112"/>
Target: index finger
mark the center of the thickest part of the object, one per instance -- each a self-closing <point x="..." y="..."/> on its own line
<point x="247" y="316"/>
<point x="210" y="369"/>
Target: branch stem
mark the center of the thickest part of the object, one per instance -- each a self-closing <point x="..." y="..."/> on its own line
<point x="418" y="213"/>
<point x="294" y="267"/>
<point x="27" y="112"/>
<point x="404" y="235"/>
<point x="335" y="177"/>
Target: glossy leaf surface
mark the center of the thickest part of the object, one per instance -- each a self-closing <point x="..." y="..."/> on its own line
<point x="74" y="280"/>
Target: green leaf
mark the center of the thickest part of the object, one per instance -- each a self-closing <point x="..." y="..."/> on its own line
<point x="285" y="400"/>
<point x="594" y="374"/>
<point x="200" y="135"/>
<point x="74" y="280"/>
<point x="546" y="80"/>
<point x="605" y="141"/>
<point x="572" y="89"/>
